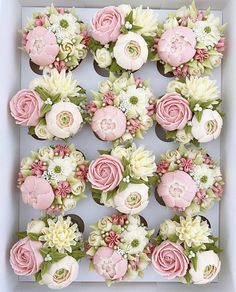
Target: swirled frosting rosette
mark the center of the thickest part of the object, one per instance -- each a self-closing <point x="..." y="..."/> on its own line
<point x="55" y="38"/>
<point x="189" y="180"/>
<point x="123" y="178"/>
<point x="186" y="250"/>
<point x="119" y="247"/>
<point x="189" y="42"/>
<point x="189" y="111"/>
<point x="120" y="37"/>
<point x="49" y="250"/>
<point x="122" y="109"/>
<point x="52" y="108"/>
<point x="53" y="178"/>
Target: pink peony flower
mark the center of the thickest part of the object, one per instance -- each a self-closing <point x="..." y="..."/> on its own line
<point x="217" y="189"/>
<point x="163" y="166"/>
<point x="186" y="164"/>
<point x="26" y="107"/>
<point x="91" y="107"/>
<point x="37" y="192"/>
<point x="112" y="239"/>
<point x="119" y="219"/>
<point x="63" y="189"/>
<point x="109" y="263"/>
<point x="220" y="46"/>
<point x="133" y="125"/>
<point x="62" y="150"/>
<point x="106" y="24"/>
<point x="200" y="196"/>
<point x="42" y="46"/>
<point x="109" y="98"/>
<point x="25" y="257"/>
<point x="82" y="172"/>
<point x="181" y="71"/>
<point x="109" y="123"/>
<point x="201" y="55"/>
<point x="169" y="260"/>
<point x="38" y="168"/>
<point x="177" y="189"/>
<point x="105" y="173"/>
<point x="177" y="46"/>
<point x="60" y="65"/>
<point x="173" y="111"/>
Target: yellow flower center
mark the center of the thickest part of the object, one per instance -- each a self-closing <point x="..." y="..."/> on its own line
<point x="133" y="200"/>
<point x="61" y="276"/>
<point x="211" y="127"/>
<point x="133" y="49"/>
<point x="209" y="271"/>
<point x="64" y="119"/>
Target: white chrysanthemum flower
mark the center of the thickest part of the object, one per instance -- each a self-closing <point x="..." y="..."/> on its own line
<point x="61" y="234"/>
<point x="135" y="239"/>
<point x="193" y="231"/>
<point x="134" y="101"/>
<point x="146" y="19"/>
<point x="207" y="32"/>
<point x="65" y="26"/>
<point x="142" y="164"/>
<point x="61" y="168"/>
<point x="204" y="176"/>
<point x="57" y="83"/>
<point x="200" y="88"/>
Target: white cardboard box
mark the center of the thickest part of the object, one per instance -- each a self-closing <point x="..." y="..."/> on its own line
<point x="13" y="78"/>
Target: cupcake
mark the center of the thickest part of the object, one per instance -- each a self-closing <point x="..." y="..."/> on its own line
<point x="189" y="42"/>
<point x="189" y="111"/>
<point x="120" y="37"/>
<point x="52" y="108"/>
<point x="123" y="178"/>
<point x="189" y="180"/>
<point x="119" y="247"/>
<point x="122" y="109"/>
<point x="186" y="250"/>
<point x="53" y="178"/>
<point x="55" y="38"/>
<point x="49" y="250"/>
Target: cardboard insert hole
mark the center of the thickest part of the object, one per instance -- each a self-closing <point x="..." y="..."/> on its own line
<point x="78" y="220"/>
<point x="161" y="134"/>
<point x="35" y="68"/>
<point x="158" y="198"/>
<point x="96" y="200"/>
<point x="161" y="70"/>
<point x="100" y="71"/>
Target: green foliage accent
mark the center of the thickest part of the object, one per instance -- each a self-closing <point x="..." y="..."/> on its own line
<point x="111" y="194"/>
<point x="77" y="251"/>
<point x="194" y="262"/>
<point x="176" y="218"/>
<point x="188" y="278"/>
<point x="129" y="17"/>
<point x="97" y="194"/>
<point x="111" y="47"/>
<point x="152" y="180"/>
<point x="44" y="267"/>
<point x="188" y="129"/>
<point x="55" y="255"/>
<point x="173" y="238"/>
<point x="149" y="40"/>
<point x="31" y="131"/>
<point x="158" y="239"/>
<point x="21" y="234"/>
<point x="44" y="94"/>
<point x="46" y="108"/>
<point x="101" y="152"/>
<point x="167" y="68"/>
<point x="76" y="99"/>
<point x="171" y="134"/>
<point x="38" y="277"/>
<point x="125" y="162"/>
<point x="94" y="45"/>
<point x="195" y="142"/>
<point x="115" y="67"/>
<point x="122" y="186"/>
<point x="33" y="236"/>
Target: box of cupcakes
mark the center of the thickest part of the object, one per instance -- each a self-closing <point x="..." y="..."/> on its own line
<point x="118" y="145"/>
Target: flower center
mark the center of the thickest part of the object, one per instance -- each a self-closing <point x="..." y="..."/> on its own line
<point x="209" y="271"/>
<point x="207" y="29"/>
<point x="64" y="119"/>
<point x="133" y="49"/>
<point x="211" y="127"/>
<point x="204" y="179"/>
<point x="133" y="200"/>
<point x="176" y="190"/>
<point x="135" y="243"/>
<point x="107" y="124"/>
<point x="64" y="23"/>
<point x="57" y="169"/>
<point x="61" y="275"/>
<point x="133" y="100"/>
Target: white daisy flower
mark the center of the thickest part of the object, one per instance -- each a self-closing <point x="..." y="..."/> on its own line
<point x="204" y="176"/>
<point x="62" y="167"/>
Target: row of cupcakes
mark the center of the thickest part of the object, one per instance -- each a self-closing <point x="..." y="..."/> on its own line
<point x="188" y="42"/>
<point x="119" y="248"/>
<point x="55" y="106"/>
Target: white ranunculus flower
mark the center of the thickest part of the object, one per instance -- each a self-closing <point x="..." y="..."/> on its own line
<point x="215" y="58"/>
<point x="209" y="127"/>
<point x="105" y="223"/>
<point x="142" y="163"/>
<point x="146" y="19"/>
<point x="208" y="267"/>
<point x="146" y="122"/>
<point x="105" y="86"/>
<point x="95" y="238"/>
<point x="103" y="58"/>
<point x="132" y="200"/>
<point x="171" y="23"/>
<point x="64" y="119"/>
<point x="182" y="12"/>
<point x="78" y="187"/>
<point x="125" y="9"/>
<point x="45" y="153"/>
<point x="77" y="156"/>
<point x="168" y="229"/>
<point x="200" y="88"/>
<point x="130" y="51"/>
<point x="42" y="132"/>
<point x="182" y="137"/>
<point x="61" y="168"/>
<point x="120" y="151"/>
<point x="35" y="226"/>
<point x="172" y="155"/>
<point x="196" y="70"/>
<point x="69" y="203"/>
<point x="127" y="137"/>
<point x="81" y="51"/>
<point x="61" y="274"/>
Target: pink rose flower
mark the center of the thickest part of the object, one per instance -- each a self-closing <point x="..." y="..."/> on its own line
<point x="25" y="257"/>
<point x="177" y="189"/>
<point x="37" y="192"/>
<point x="109" y="263"/>
<point x="169" y="260"/>
<point x="26" y="107"/>
<point x="42" y="46"/>
<point x="177" y="46"/>
<point x="109" y="123"/>
<point x="106" y="24"/>
<point x="105" y="173"/>
<point x="173" y="112"/>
